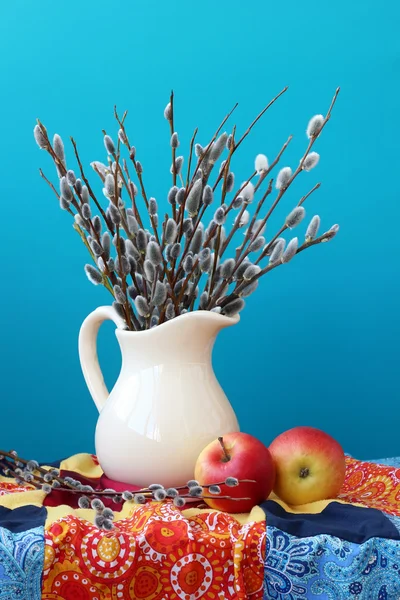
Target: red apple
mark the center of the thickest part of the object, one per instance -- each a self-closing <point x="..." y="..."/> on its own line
<point x="242" y="456"/>
<point x="310" y="465"/>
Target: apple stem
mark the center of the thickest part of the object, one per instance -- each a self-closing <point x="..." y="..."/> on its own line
<point x="226" y="454"/>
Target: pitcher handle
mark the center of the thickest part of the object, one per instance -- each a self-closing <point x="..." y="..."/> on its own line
<point x="88" y="352"/>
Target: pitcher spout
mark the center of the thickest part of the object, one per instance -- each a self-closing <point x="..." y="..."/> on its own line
<point x="187" y="338"/>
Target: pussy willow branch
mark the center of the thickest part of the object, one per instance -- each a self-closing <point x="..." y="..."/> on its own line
<point x="284" y="227"/>
<point x="92" y="195"/>
<point x="181" y="213"/>
<point x="133" y="160"/>
<point x="258" y="117"/>
<point x="240" y="286"/>
<point x="203" y="156"/>
<point x="76" y="204"/>
<point x="300" y="166"/>
<point x="190" y="157"/>
<point x="171" y="124"/>
<point x="279" y="196"/>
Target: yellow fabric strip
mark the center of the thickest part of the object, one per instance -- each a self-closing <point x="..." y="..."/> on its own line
<point x="33" y="497"/>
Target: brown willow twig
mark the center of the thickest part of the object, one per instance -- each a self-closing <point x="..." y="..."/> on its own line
<point x="190" y="157"/>
<point x="171" y="124"/>
<point x="92" y="195"/>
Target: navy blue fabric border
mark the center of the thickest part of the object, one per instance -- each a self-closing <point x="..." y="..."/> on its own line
<point x="22" y="518"/>
<point x="352" y="523"/>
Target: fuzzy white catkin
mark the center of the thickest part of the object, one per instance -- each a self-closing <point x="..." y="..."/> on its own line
<point x="243" y="218"/>
<point x="203" y="301"/>
<point x="93" y="275"/>
<point x="106" y="243"/>
<point x="154" y="253"/>
<point x="233" y="307"/>
<point x="39" y="136"/>
<point x="197" y="241"/>
<point x="227" y="268"/>
<point x="58" y="146"/>
<point x="219" y="216"/>
<point x="153" y="207"/>
<point x="133" y="225"/>
<point x="178" y="165"/>
<point x="194" y="197"/>
<point x="251" y="271"/>
<point x="295" y="217"/>
<point x="149" y="270"/>
<point x="174" y="140"/>
<point x="256" y="227"/>
<point x="65" y="189"/>
<point x="312" y="228"/>
<point x="170" y="312"/>
<point x="71" y="178"/>
<point x="168" y="111"/>
<point x="64" y="205"/>
<point x="208" y="195"/>
<point x="172" y="194"/>
<point x="237" y="202"/>
<point x="142" y="306"/>
<point x="310" y="161"/>
<point x="247" y="193"/>
<point x="109" y="185"/>
<point x="171" y="231"/>
<point x="230" y="181"/>
<point x="160" y="294"/>
<point x="249" y="289"/>
<point x="218" y="147"/>
<point x="85" y="194"/>
<point x="99" y="167"/>
<point x="257" y="244"/>
<point x="283" y="178"/>
<point x="198" y="150"/>
<point x="261" y="163"/>
<point x="180" y="195"/>
<point x="277" y="252"/>
<point x="290" y="251"/>
<point x="114" y="214"/>
<point x="86" y="212"/>
<point x="119" y="294"/>
<point x="314" y="126"/>
<point x="109" y="144"/>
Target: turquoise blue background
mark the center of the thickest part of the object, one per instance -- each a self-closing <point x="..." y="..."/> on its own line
<point x="318" y="344"/>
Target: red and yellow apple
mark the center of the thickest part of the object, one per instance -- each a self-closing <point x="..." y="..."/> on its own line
<point x="242" y="456"/>
<point x="310" y="465"/>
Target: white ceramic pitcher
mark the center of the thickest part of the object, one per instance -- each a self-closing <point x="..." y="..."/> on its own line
<point x="166" y="405"/>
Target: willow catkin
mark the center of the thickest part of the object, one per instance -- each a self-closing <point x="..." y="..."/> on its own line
<point x="283" y="179"/>
<point x="312" y="228"/>
<point x="295" y="217"/>
<point x="314" y="126"/>
<point x="233" y="307"/>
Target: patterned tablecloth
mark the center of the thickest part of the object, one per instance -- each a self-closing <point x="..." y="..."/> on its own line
<point x="345" y="548"/>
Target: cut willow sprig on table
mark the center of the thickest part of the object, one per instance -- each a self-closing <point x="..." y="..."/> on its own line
<point x="28" y="472"/>
<point x="159" y="268"/>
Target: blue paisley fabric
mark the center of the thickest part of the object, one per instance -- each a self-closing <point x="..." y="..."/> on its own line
<point x="329" y="568"/>
<point x="21" y="553"/>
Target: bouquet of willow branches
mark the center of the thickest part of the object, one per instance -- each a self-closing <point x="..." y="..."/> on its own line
<point x="165" y="266"/>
